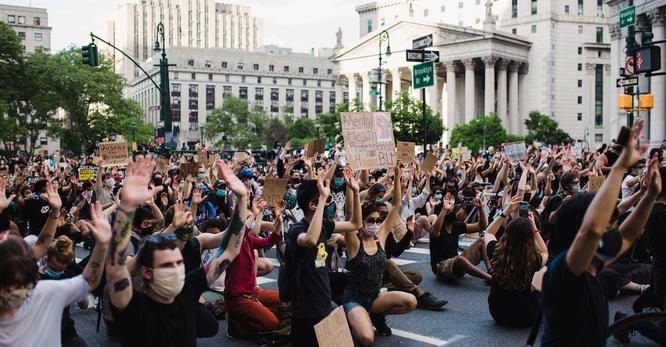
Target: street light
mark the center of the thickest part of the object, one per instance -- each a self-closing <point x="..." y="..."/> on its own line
<point x="165" y="105"/>
<point x="202" y="127"/>
<point x="384" y="35"/>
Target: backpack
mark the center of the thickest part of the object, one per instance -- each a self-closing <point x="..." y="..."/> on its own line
<point x="289" y="270"/>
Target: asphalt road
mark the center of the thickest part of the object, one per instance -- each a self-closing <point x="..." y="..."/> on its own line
<point x="465" y="321"/>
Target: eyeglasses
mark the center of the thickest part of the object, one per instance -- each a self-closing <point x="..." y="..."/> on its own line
<point x="157" y="239"/>
<point x="379" y="220"/>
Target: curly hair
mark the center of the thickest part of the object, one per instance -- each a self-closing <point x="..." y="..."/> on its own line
<point x="61" y="250"/>
<point x="515" y="256"/>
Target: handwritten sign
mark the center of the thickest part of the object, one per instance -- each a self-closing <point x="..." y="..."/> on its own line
<point x="97" y="160"/>
<point x="114" y="153"/>
<point x="405" y="151"/>
<point x="316" y="146"/>
<point x="594" y="183"/>
<point x="274" y="190"/>
<point x="466" y="153"/>
<point x="429" y="162"/>
<point x="202" y="156"/>
<point x="368" y="139"/>
<point x="333" y="331"/>
<point x="86" y="173"/>
<point x="212" y="159"/>
<point x="189" y="168"/>
<point x="162" y="165"/>
<point x="241" y="156"/>
<point x="515" y="150"/>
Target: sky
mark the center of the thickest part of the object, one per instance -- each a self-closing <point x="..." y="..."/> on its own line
<point x="297" y="24"/>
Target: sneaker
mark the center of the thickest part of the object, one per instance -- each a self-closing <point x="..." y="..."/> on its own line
<point x="379" y="321"/>
<point x="232" y="331"/>
<point x="621" y="335"/>
<point x="430" y="302"/>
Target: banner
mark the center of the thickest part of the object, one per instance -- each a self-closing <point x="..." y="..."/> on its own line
<point x="114" y="153"/>
<point x="515" y="150"/>
<point x="405" y="151"/>
<point x="333" y="331"/>
<point x="274" y="190"/>
<point x="316" y="146"/>
<point x="368" y="138"/>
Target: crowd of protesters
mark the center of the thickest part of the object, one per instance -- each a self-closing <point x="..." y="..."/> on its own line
<point x="172" y="252"/>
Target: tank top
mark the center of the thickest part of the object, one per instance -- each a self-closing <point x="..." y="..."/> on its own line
<point x="367" y="272"/>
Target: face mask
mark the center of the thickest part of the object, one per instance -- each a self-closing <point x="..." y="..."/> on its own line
<point x="338" y="182"/>
<point x="148" y="231"/>
<point x="168" y="282"/>
<point x="379" y="201"/>
<point x="220" y="193"/>
<point x="295" y="180"/>
<point x="414" y="191"/>
<point x="438" y="197"/>
<point x="329" y="211"/>
<point x="181" y="186"/>
<point x="52" y="273"/>
<point x="290" y="200"/>
<point x="13" y="298"/>
<point x="157" y="181"/>
<point x="110" y="182"/>
<point x="201" y="176"/>
<point x="575" y="188"/>
<point x="459" y="173"/>
<point x="371" y="229"/>
<point x="253" y="225"/>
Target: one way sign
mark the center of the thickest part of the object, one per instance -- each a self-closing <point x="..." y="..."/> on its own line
<point x="625" y="82"/>
<point x="419" y="55"/>
<point x="422" y="42"/>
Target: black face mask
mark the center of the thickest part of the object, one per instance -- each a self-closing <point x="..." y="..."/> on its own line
<point x="295" y="180"/>
<point x="157" y="181"/>
<point x="527" y="197"/>
<point x="147" y="231"/>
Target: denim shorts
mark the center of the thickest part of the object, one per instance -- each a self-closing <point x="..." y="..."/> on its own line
<point x="348" y="306"/>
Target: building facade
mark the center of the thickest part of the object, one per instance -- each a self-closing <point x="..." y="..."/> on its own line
<point x="650" y="16"/>
<point x="566" y="73"/>
<point x="272" y="78"/>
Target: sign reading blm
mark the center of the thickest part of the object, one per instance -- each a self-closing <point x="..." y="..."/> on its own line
<point x="113" y="153"/>
<point x="368" y="139"/>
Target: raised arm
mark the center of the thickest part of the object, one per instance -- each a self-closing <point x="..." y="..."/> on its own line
<point x="101" y="231"/>
<point x="48" y="230"/>
<point x="4" y="200"/>
<point x="483" y="222"/>
<point x="393" y="217"/>
<point x="356" y="221"/>
<point x="447" y="207"/>
<point x="309" y="238"/>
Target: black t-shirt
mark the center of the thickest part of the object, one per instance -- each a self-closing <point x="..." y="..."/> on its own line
<point x="446" y="245"/>
<point x="313" y="294"/>
<point x="192" y="254"/>
<point x="512" y="307"/>
<point x="145" y="322"/>
<point x="656" y="232"/>
<point x="36" y="213"/>
<point x="575" y="307"/>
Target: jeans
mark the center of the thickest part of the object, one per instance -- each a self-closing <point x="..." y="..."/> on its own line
<point x="405" y="281"/>
<point x="254" y="314"/>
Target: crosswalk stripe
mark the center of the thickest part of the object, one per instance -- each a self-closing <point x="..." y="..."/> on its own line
<point x="401" y="262"/>
<point x="418" y="250"/>
<point x="427" y="339"/>
<point x="263" y="280"/>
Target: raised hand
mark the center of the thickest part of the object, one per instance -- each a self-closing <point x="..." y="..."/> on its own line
<point x="196" y="196"/>
<point x="653" y="178"/>
<point x="351" y="182"/>
<point x="323" y="185"/>
<point x="181" y="216"/>
<point x="99" y="227"/>
<point x="233" y="182"/>
<point x="52" y="197"/>
<point x="135" y="190"/>
<point x="4" y="201"/>
<point x="530" y="217"/>
<point x="477" y="203"/>
<point x="449" y="201"/>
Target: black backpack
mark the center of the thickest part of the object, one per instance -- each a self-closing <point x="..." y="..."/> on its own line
<point x="289" y="270"/>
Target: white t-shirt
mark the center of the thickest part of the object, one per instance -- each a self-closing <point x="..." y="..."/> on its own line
<point x="626" y="190"/>
<point x="37" y="322"/>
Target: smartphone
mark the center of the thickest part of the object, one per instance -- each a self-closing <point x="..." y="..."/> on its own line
<point x="522" y="209"/>
<point x="623" y="136"/>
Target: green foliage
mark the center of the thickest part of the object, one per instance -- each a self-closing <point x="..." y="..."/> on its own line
<point x="276" y="132"/>
<point x="240" y="125"/>
<point x="330" y="123"/>
<point x="544" y="129"/>
<point x="407" y="117"/>
<point x="471" y="136"/>
<point x="302" y="128"/>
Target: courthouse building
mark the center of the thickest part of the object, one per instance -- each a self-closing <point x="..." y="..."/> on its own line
<point x="506" y="56"/>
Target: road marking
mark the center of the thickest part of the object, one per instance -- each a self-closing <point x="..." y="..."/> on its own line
<point x="273" y="260"/>
<point x="427" y="339"/>
<point x="418" y="250"/>
<point x="264" y="280"/>
<point x="401" y="262"/>
<point x="424" y="240"/>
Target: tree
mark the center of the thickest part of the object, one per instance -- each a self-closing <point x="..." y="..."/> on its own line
<point x="240" y="125"/>
<point x="276" y="132"/>
<point x="301" y="132"/>
<point x="330" y="123"/>
<point x="544" y="129"/>
<point x="471" y="134"/>
<point x="407" y="117"/>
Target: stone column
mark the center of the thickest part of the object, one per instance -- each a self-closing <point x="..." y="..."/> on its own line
<point x="339" y="92"/>
<point x="658" y="83"/>
<point x="513" y="98"/>
<point x="501" y="92"/>
<point x="395" y="83"/>
<point x="365" y="92"/>
<point x="434" y="94"/>
<point x="450" y="118"/>
<point x="470" y="105"/>
<point x="617" y="117"/>
<point x="351" y="87"/>
<point x="522" y="112"/>
<point x="489" y="88"/>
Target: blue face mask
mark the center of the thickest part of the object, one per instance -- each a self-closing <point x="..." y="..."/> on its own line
<point x="253" y="225"/>
<point x="338" y="182"/>
<point x="201" y="176"/>
<point x="220" y="193"/>
<point x="52" y="273"/>
<point x="329" y="211"/>
<point x="181" y="186"/>
<point x="438" y="197"/>
<point x="379" y="201"/>
<point x="414" y="190"/>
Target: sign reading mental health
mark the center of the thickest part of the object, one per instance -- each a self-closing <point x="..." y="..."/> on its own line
<point x="274" y="191"/>
<point x="405" y="151"/>
<point x="333" y="331"/>
<point x="515" y="150"/>
<point x="113" y="153"/>
<point x="368" y="139"/>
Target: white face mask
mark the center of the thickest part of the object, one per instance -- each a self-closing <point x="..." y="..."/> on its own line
<point x="110" y="182"/>
<point x="168" y="282"/>
<point x="370" y="229"/>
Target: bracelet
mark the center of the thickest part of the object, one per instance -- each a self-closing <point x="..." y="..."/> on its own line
<point x="503" y="215"/>
<point x="54" y="214"/>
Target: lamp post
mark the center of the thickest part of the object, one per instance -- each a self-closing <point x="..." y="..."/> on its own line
<point x="485" y="129"/>
<point x="202" y="128"/>
<point x="165" y="104"/>
<point x="384" y="35"/>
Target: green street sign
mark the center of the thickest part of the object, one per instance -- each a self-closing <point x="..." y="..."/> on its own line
<point x="628" y="16"/>
<point x="423" y="75"/>
<point x="374" y="92"/>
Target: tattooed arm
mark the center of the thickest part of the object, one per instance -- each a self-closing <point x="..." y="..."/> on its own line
<point x="101" y="230"/>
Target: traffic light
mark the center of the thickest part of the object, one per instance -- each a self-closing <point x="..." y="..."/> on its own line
<point x="646" y="37"/>
<point x="647" y="59"/>
<point x="89" y="55"/>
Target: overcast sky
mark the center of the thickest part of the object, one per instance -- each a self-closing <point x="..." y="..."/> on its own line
<point x="297" y="24"/>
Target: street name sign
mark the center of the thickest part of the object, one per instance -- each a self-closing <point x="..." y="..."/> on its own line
<point x="419" y="55"/>
<point x="624" y="82"/>
<point x="422" y="42"/>
<point x="628" y="16"/>
<point x="423" y="75"/>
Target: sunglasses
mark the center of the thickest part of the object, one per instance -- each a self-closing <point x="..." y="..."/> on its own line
<point x="379" y="220"/>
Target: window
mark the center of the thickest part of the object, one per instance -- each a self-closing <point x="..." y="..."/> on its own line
<point x="271" y="68"/>
<point x="331" y="102"/>
<point x="242" y="93"/>
<point x="514" y="31"/>
<point x="275" y="97"/>
<point x="38" y="36"/>
<point x="240" y="66"/>
<point x="599" y="54"/>
<point x="580" y="29"/>
<point x="36" y="21"/>
<point x="425" y="12"/>
<point x="289" y="95"/>
<point x="580" y="7"/>
<point x="194" y="76"/>
<point x="600" y="34"/>
<point x="242" y="79"/>
<point x="599" y="138"/>
<point x="193" y="104"/>
<point x="579" y="100"/>
<point x="259" y="94"/>
<point x="175" y="75"/>
<point x="566" y="9"/>
<point x="43" y="141"/>
<point x="460" y="4"/>
<point x="21" y="19"/>
<point x="369" y="25"/>
<point x="210" y="97"/>
<point x="21" y="35"/>
<point x="210" y="76"/>
<point x="580" y="83"/>
<point x="319" y="99"/>
<point x="226" y="78"/>
<point x="534" y="5"/>
<point x="226" y="92"/>
<point x="289" y="81"/>
<point x="305" y="82"/>
<point x="259" y="79"/>
<point x="190" y="62"/>
<point x="580" y="50"/>
<point x="329" y="71"/>
<point x="300" y="69"/>
<point x="207" y="64"/>
<point x="318" y="83"/>
<point x="382" y="21"/>
<point x="315" y="71"/>
<point x="274" y="80"/>
<point x="580" y="67"/>
<point x="11" y="19"/>
<point x="224" y="64"/>
<point x="514" y="8"/>
<point x="599" y="95"/>
<point x="600" y="8"/>
<point x="580" y="116"/>
<point x="255" y="67"/>
<point x="304" y="95"/>
<point x="442" y="8"/>
<point x="286" y="69"/>
<point x="533" y="28"/>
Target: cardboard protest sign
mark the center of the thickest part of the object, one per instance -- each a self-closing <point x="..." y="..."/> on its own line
<point x="368" y="139"/>
<point x="333" y="331"/>
<point x="189" y="168"/>
<point x="594" y="183"/>
<point x="429" y="162"/>
<point x="114" y="153"/>
<point x="515" y="150"/>
<point x="577" y="149"/>
<point x="202" y="156"/>
<point x="405" y="151"/>
<point x="86" y="173"/>
<point x="466" y="153"/>
<point x="32" y="179"/>
<point x="162" y="165"/>
<point x="316" y="146"/>
<point x="212" y="159"/>
<point x="274" y="190"/>
<point x="241" y="156"/>
<point x="97" y="160"/>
